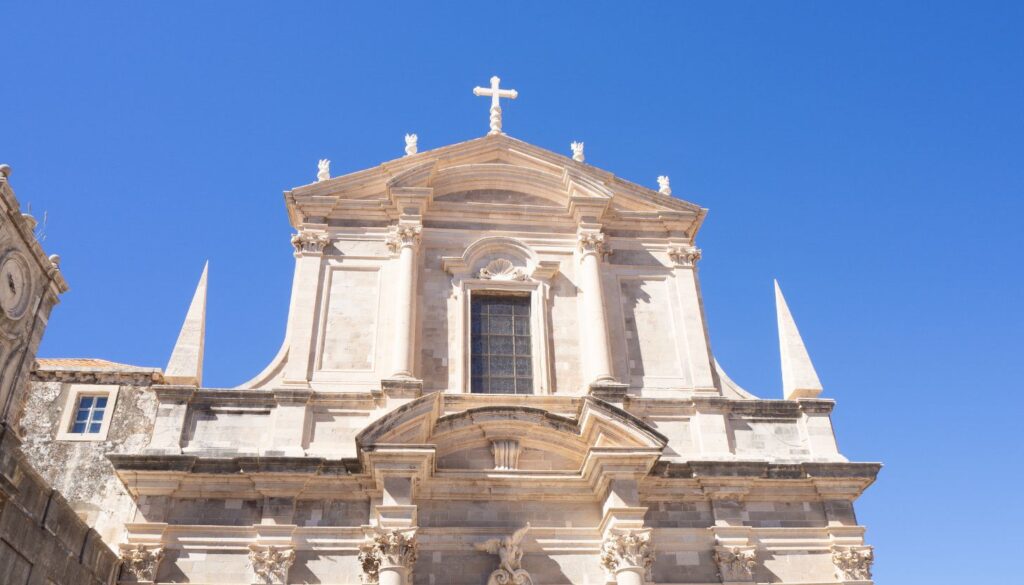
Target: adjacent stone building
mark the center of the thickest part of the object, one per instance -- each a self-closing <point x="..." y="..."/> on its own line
<point x="42" y="540"/>
<point x="496" y="370"/>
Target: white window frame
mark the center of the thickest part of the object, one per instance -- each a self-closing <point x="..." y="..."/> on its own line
<point x="74" y="395"/>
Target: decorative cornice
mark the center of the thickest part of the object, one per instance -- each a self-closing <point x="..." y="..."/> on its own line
<point x="627" y="549"/>
<point x="853" y="563"/>
<point x="403" y="236"/>
<point x="310" y="242"/>
<point x="270" y="564"/>
<point x="735" y="563"/>
<point x="387" y="548"/>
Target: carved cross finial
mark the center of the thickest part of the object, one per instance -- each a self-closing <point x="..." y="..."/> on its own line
<point x="410" y="144"/>
<point x="323" y="170"/>
<point x="663" y="185"/>
<point x="577" y="151"/>
<point x="496" y="93"/>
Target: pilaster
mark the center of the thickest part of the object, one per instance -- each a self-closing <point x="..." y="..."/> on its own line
<point x="309" y="246"/>
<point x="694" y="331"/>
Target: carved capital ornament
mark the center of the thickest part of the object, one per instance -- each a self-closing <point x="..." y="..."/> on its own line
<point x="388" y="548"/>
<point x="307" y="242"/>
<point x="142" y="562"/>
<point x="403" y="236"/>
<point x="853" y="563"/>
<point x="629" y="549"/>
<point x="735" y="563"/>
<point x="593" y="242"/>
<point x="684" y="255"/>
<point x="270" y="564"/>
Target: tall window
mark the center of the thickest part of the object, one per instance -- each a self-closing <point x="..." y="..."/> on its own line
<point x="500" y="349"/>
<point x="89" y="415"/>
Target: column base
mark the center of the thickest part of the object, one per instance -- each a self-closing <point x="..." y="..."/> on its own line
<point x="610" y="391"/>
<point x="402" y="387"/>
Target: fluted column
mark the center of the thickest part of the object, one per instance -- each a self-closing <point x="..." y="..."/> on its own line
<point x="592" y="250"/>
<point x="403" y="241"/>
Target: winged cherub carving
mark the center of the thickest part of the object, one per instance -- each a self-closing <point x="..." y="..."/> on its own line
<point x="510" y="558"/>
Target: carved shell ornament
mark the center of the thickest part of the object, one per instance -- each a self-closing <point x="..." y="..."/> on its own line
<point x="502" y="269"/>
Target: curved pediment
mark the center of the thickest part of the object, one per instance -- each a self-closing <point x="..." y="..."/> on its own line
<point x="509" y="437"/>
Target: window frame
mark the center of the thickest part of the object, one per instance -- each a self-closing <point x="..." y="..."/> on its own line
<point x="73" y="397"/>
<point x="486" y="293"/>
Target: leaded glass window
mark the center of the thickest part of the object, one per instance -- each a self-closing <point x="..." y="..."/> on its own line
<point x="500" y="347"/>
<point x="89" y="415"/>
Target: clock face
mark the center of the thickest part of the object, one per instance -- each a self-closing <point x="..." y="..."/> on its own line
<point x="14" y="286"/>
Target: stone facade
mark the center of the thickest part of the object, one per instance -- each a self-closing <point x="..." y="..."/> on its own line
<point x="362" y="453"/>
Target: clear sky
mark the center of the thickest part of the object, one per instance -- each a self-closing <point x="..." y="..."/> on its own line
<point x="867" y="154"/>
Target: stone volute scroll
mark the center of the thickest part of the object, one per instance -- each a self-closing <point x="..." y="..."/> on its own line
<point x="270" y="564"/>
<point x="388" y="557"/>
<point x="310" y="242"/>
<point x="509" y="549"/>
<point x="141" y="562"/>
<point x="627" y="556"/>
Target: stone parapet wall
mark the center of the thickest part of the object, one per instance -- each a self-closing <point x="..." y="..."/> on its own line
<point x="42" y="540"/>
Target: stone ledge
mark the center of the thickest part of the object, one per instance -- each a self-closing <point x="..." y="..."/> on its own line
<point x="401" y="387"/>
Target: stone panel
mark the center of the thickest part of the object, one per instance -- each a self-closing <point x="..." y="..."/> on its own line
<point x="350" y="324"/>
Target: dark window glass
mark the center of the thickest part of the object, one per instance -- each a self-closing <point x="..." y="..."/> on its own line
<point x="500" y="345"/>
<point x="89" y="414"/>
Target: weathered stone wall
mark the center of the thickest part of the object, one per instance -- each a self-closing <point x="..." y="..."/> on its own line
<point x="42" y="540"/>
<point x="80" y="469"/>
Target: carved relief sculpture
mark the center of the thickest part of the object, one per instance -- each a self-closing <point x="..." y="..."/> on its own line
<point x="270" y="564"/>
<point x="388" y="548"/>
<point x="853" y="563"/>
<point x="142" y="562"/>
<point x="628" y="549"/>
<point x="510" y="559"/>
<point x="735" y="563"/>
<point x="502" y="269"/>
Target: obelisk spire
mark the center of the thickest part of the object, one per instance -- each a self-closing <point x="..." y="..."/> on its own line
<point x="799" y="380"/>
<point x="186" y="364"/>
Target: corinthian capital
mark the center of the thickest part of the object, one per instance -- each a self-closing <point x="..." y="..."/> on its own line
<point x="403" y="236"/>
<point x="141" y="561"/>
<point x="307" y="242"/>
<point x="387" y="548"/>
<point x="853" y="563"/>
<point x="628" y="549"/>
<point x="270" y="564"/>
<point x="736" y="563"/>
<point x="592" y="242"/>
<point x="684" y="255"/>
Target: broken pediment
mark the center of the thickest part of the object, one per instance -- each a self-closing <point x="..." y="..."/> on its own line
<point x="490" y="436"/>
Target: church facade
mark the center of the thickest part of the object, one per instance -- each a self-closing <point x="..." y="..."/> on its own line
<point x="496" y="370"/>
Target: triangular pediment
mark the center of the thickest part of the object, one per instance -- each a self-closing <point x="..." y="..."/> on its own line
<point x="497" y="172"/>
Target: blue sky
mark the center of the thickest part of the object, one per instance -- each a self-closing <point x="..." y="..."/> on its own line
<point x="868" y="154"/>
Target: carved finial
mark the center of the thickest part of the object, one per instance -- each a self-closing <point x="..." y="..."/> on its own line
<point x="577" y="151"/>
<point x="495" y="93"/>
<point x="55" y="260"/>
<point x="5" y="170"/>
<point x="323" y="170"/>
<point x="663" y="185"/>
<point x="410" y="144"/>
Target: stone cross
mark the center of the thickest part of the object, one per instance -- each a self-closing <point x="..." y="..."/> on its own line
<point x="496" y="94"/>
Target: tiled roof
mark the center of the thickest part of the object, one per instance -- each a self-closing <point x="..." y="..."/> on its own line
<point x="86" y="364"/>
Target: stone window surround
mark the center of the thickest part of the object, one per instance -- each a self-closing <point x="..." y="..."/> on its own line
<point x="74" y="393"/>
